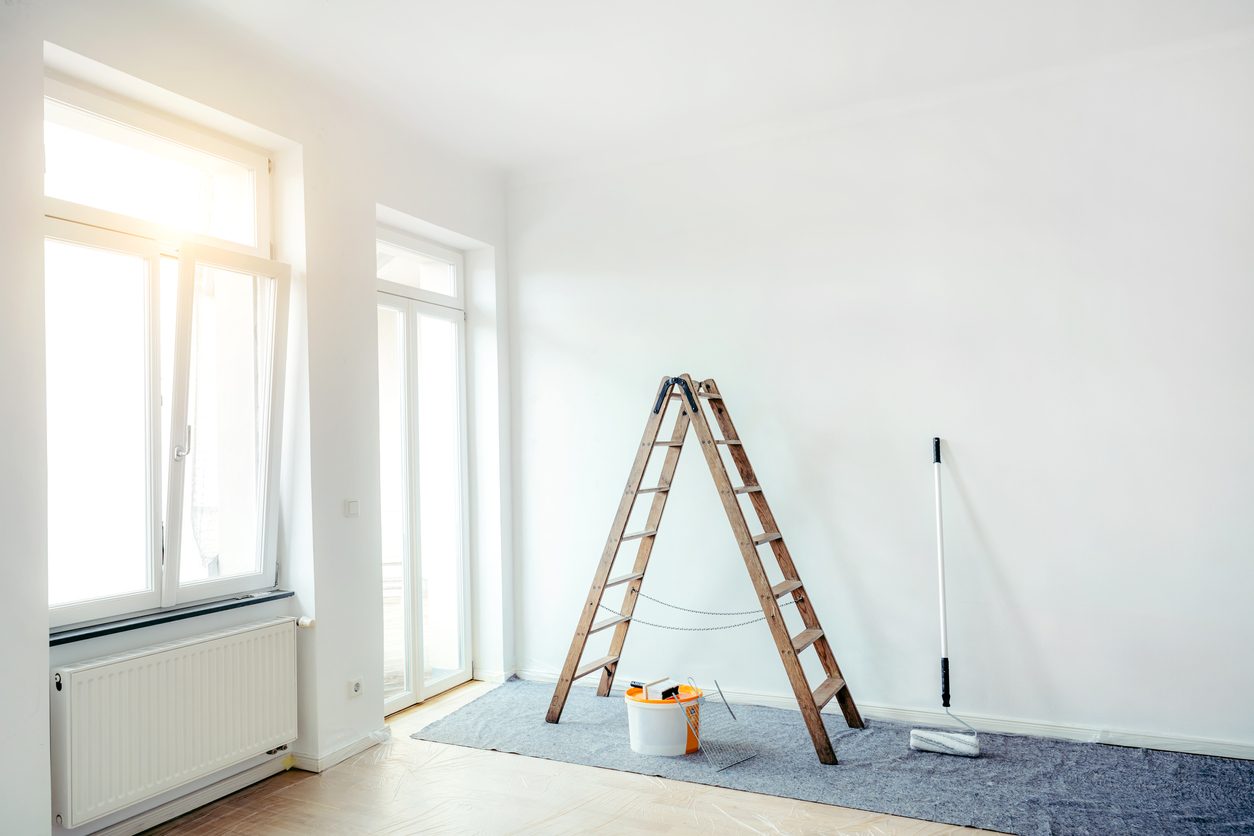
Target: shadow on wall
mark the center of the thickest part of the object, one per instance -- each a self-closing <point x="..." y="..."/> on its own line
<point x="999" y="608"/>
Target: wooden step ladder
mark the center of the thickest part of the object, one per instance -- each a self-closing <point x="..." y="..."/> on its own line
<point x="690" y="395"/>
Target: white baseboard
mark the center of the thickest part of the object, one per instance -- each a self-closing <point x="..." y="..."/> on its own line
<point x="312" y="763"/>
<point x="482" y="675"/>
<point x="199" y="798"/>
<point x="1001" y="725"/>
<point x="1191" y="745"/>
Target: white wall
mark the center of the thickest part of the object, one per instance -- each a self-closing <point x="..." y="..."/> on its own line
<point x="25" y="798"/>
<point x="487" y="373"/>
<point x="1053" y="273"/>
<point x="351" y="157"/>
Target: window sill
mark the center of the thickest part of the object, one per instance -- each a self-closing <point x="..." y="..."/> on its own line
<point x="136" y="622"/>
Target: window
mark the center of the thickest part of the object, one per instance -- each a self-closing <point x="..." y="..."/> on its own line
<point x="117" y="167"/>
<point x="227" y="385"/>
<point x="422" y="434"/>
<point x="165" y="354"/>
<point x="417" y="269"/>
<point x="102" y="293"/>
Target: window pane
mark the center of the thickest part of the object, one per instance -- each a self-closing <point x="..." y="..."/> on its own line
<point x="97" y="428"/>
<point x="392" y="500"/>
<point x="402" y="266"/>
<point x="232" y="318"/>
<point x="98" y="162"/>
<point x="439" y="495"/>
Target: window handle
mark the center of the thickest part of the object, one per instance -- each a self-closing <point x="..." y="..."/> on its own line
<point x="180" y="452"/>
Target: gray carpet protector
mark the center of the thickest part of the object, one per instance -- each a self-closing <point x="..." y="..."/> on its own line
<point x="1021" y="785"/>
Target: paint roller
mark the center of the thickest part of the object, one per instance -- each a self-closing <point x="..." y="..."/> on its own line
<point x="670" y="687"/>
<point x="946" y="743"/>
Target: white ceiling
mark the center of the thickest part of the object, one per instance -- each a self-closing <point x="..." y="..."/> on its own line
<point x="524" y="82"/>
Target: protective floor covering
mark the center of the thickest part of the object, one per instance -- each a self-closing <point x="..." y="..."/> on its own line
<point x="1020" y="785"/>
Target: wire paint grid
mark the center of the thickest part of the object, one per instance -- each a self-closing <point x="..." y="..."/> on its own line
<point x="717" y="730"/>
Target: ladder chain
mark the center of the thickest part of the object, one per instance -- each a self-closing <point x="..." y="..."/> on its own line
<point x="699" y="612"/>
<point x="635" y="620"/>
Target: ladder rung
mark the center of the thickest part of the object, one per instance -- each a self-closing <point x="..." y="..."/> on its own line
<point x="781" y="589"/>
<point x="604" y="661"/>
<point x="748" y="489"/>
<point x="670" y="443"/>
<point x="638" y="535"/>
<point x="607" y="623"/>
<point x="734" y="442"/>
<point x="763" y="538"/>
<point x="714" y="396"/>
<point x="622" y="579"/>
<point x="800" y="641"/>
<point x="830" y="687"/>
<point x="658" y="489"/>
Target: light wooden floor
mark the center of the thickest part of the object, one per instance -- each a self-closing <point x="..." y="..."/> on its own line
<point x="414" y="787"/>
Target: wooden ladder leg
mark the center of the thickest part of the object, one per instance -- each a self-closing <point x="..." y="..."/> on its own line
<point x="646" y="544"/>
<point x="571" y="669"/>
<point x="835" y="682"/>
<point x="810" y="703"/>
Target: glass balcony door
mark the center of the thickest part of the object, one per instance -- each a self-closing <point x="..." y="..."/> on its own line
<point x="423" y="499"/>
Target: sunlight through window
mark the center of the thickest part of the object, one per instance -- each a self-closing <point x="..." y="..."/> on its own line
<point x="94" y="161"/>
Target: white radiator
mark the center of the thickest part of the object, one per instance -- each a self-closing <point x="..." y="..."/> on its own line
<point x="130" y="726"/>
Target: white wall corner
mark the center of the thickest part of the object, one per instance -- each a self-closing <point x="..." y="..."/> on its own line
<point x="321" y="763"/>
<point x="504" y="384"/>
<point x="489" y="423"/>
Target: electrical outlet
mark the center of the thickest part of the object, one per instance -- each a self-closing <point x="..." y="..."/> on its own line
<point x="354" y="687"/>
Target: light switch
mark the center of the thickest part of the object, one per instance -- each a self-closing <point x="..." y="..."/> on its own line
<point x="350" y="507"/>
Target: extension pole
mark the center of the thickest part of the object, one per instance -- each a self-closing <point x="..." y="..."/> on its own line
<point x="940" y="565"/>
<point x="946" y="743"/>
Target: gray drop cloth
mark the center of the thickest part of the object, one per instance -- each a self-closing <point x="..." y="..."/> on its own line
<point x="1022" y="785"/>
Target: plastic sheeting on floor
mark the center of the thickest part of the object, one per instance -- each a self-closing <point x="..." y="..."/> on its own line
<point x="411" y="787"/>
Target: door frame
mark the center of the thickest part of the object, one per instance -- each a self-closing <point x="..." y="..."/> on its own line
<point x="395" y="298"/>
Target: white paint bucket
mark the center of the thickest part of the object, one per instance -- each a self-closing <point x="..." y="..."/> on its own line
<point x="658" y="727"/>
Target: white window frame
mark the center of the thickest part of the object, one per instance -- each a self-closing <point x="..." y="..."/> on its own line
<point x="173" y="592"/>
<point x="165" y="590"/>
<point x="88" y="226"/>
<point x="103" y="239"/>
<point x="410" y="302"/>
<point x="428" y="249"/>
<point x="253" y="158"/>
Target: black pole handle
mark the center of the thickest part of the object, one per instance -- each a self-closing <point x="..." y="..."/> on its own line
<point x="945" y="682"/>
<point x="935" y="448"/>
<point x="666" y="388"/>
